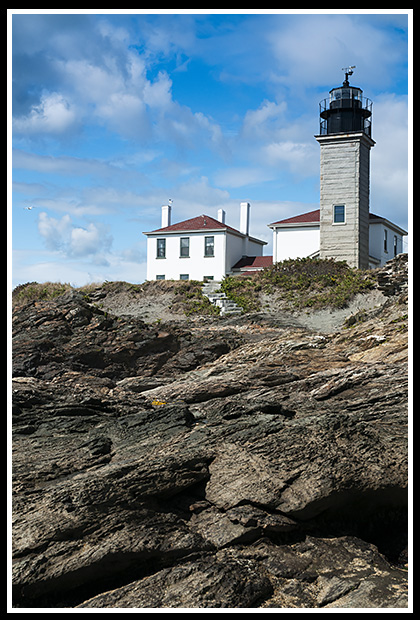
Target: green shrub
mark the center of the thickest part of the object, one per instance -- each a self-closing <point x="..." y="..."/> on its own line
<point x="244" y="291"/>
<point x="191" y="299"/>
<point x="315" y="282"/>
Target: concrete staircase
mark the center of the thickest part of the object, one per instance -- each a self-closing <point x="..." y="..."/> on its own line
<point x="211" y="290"/>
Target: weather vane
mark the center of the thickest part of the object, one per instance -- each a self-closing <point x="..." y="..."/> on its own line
<point x="348" y="71"/>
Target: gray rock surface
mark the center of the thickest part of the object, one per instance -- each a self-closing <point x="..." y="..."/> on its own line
<point x="209" y="464"/>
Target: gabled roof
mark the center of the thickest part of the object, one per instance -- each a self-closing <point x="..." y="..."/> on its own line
<point x="304" y="218"/>
<point x="201" y="222"/>
<point x="313" y="217"/>
<point x="377" y="219"/>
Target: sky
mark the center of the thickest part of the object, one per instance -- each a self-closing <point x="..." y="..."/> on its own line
<point x="110" y="115"/>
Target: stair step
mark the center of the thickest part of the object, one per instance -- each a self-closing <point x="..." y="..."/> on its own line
<point x="220" y="299"/>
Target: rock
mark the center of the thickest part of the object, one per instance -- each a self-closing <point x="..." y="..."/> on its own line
<point x="216" y="582"/>
<point x="208" y="465"/>
<point x="68" y="333"/>
<point x="393" y="277"/>
<point x="268" y="576"/>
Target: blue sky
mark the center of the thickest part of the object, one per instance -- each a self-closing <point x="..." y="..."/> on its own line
<point x="113" y="114"/>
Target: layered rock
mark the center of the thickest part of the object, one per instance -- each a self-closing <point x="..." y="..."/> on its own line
<point x="208" y="465"/>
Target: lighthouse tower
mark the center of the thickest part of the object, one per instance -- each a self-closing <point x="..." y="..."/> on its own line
<point x="345" y="142"/>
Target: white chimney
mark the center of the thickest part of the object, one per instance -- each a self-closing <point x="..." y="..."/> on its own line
<point x="166" y="216"/>
<point x="221" y="215"/>
<point x="244" y="222"/>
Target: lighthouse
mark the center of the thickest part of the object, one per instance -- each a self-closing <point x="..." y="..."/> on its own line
<point x="345" y="141"/>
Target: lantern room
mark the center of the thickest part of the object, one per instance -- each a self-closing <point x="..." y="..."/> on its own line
<point x="345" y="110"/>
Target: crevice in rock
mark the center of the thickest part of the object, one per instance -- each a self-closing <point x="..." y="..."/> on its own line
<point x="378" y="516"/>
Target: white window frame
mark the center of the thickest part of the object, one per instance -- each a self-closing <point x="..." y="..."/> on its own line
<point x="185" y="247"/>
<point x="334" y="215"/>
<point x="157" y="248"/>
<point x="211" y="245"/>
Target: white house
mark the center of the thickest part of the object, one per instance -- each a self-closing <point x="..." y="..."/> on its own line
<point x="201" y="248"/>
<point x="298" y="237"/>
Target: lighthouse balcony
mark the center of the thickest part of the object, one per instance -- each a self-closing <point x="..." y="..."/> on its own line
<point x="345" y="111"/>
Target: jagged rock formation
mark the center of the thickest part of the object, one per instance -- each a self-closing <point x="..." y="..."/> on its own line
<point x="235" y="463"/>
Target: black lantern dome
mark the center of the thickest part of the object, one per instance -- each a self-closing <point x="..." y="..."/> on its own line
<point x="345" y="110"/>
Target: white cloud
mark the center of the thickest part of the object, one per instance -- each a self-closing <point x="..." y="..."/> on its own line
<point x="29" y="266"/>
<point x="301" y="158"/>
<point x="53" y="115"/>
<point x="389" y="158"/>
<point x="241" y="176"/>
<point x="54" y="232"/>
<point x="85" y="241"/>
<point x="73" y="241"/>
<point x="261" y="123"/>
<point x="311" y="49"/>
<point x="61" y="165"/>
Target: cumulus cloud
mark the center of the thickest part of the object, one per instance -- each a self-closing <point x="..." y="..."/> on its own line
<point x="73" y="241"/>
<point x="54" y="232"/>
<point x="115" y="86"/>
<point x="53" y="115"/>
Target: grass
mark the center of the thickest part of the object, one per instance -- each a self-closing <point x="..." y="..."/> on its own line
<point x="245" y="291"/>
<point x="300" y="283"/>
<point x="187" y="296"/>
<point x="191" y="300"/>
<point x="34" y="291"/>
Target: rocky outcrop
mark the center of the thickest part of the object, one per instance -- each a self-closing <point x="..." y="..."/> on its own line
<point x="214" y="464"/>
<point x="69" y="333"/>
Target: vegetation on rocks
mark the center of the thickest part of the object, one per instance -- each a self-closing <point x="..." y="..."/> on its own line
<point x="187" y="297"/>
<point x="317" y="282"/>
<point x="302" y="283"/>
<point x="35" y="291"/>
<point x="299" y="283"/>
<point x="192" y="301"/>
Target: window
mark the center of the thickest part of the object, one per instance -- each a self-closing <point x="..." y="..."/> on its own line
<point x="161" y="248"/>
<point x="184" y="248"/>
<point x="385" y="240"/>
<point x="395" y="245"/>
<point x="208" y="246"/>
<point x="184" y="276"/>
<point x="339" y="214"/>
<point x="160" y="277"/>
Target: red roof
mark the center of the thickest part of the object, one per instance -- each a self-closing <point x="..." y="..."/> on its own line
<point x="312" y="217"/>
<point x="304" y="218"/>
<point x="253" y="262"/>
<point x="201" y="222"/>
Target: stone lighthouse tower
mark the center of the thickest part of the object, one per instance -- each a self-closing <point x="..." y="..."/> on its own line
<point x="345" y="141"/>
